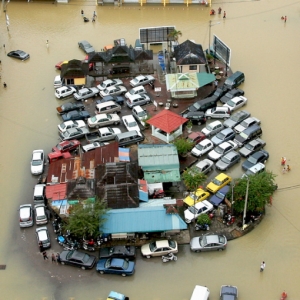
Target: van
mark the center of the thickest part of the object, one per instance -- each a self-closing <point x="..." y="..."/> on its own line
<point x="107" y="107"/>
<point x="234" y="80"/>
<point x="200" y="293"/>
<point x="138" y="46"/>
<point x="130" y="137"/>
<point x="39" y="194"/>
<point x="58" y="82"/>
<point x="248" y="134"/>
<point x="204" y="105"/>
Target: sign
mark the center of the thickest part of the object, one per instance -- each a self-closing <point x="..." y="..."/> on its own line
<point x="155" y="103"/>
<point x="221" y="50"/>
<point x="155" y="35"/>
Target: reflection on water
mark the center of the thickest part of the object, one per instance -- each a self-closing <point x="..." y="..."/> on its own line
<point x="263" y="47"/>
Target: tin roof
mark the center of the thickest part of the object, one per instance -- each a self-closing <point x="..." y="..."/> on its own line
<point x="135" y="220"/>
<point x="56" y="191"/>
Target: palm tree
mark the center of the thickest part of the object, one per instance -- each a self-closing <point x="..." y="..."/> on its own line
<point x="174" y="35"/>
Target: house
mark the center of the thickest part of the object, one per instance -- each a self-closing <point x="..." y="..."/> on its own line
<point x="74" y="72"/>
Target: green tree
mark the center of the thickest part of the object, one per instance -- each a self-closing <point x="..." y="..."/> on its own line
<point x="193" y="178"/>
<point x="261" y="189"/>
<point x="203" y="219"/>
<point x="174" y="35"/>
<point x="86" y="218"/>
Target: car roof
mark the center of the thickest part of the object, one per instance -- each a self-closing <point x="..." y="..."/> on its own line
<point x="258" y="154"/>
<point x="214" y="123"/>
<point x="163" y="243"/>
<point x="205" y="142"/>
<point x="40" y="210"/>
<point x="137" y="108"/>
<point x="107" y="103"/>
<point x="226" y="130"/>
<point x="212" y="238"/>
<point x="231" y="154"/>
<point x="36" y="155"/>
<point x="203" y="162"/>
<point x="128" y="118"/>
<point x="138" y="87"/>
<point x="221" y="176"/>
<point x="203" y="203"/>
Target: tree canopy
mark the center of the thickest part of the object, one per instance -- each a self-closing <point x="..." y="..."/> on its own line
<point x="193" y="178"/>
<point x="175" y="34"/>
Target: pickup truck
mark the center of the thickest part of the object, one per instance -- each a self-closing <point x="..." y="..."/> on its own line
<point x="103" y="134"/>
<point x="252" y="146"/>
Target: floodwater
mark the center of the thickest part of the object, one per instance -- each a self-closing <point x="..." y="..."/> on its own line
<point x="265" y="48"/>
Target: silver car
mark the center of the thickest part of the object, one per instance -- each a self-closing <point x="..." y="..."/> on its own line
<point x="228" y="160"/>
<point x="26" y="215"/>
<point x="204" y="166"/>
<point x="86" y="47"/>
<point x="208" y="242"/>
<point x="42" y="235"/>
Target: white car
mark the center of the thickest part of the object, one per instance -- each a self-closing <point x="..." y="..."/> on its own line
<point x="140" y="114"/>
<point x="113" y="91"/>
<point x="141" y="80"/>
<point x="108" y="133"/>
<point x="159" y="248"/>
<point x="204" y="166"/>
<point x="136" y="91"/>
<point x="212" y="128"/>
<point x="26" y="215"/>
<point x="57" y="82"/>
<point x="245" y="124"/>
<point x="236" y="103"/>
<point x="40" y="214"/>
<point x="140" y="99"/>
<point x="202" y="148"/>
<point x="93" y="146"/>
<point x="37" y="162"/>
<point x="130" y="123"/>
<point x="103" y="120"/>
<point x="219" y="112"/>
<point x="70" y="124"/>
<point x="221" y="150"/>
<point x="64" y="91"/>
<point x="86" y="93"/>
<point x="193" y="212"/>
<point x="109" y="82"/>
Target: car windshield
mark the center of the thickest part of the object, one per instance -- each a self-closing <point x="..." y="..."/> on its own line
<point x="103" y="85"/>
<point x="209" y="128"/>
<point x="202" y="241"/>
<point x="219" y="195"/>
<point x="62" y="126"/>
<point x="194" y="196"/>
<point x="85" y="258"/>
<point x="142" y="114"/>
<point x="135" y="80"/>
<point x="192" y="209"/>
<point x="219" y="150"/>
<point x="106" y="91"/>
<point x="93" y="119"/>
<point x="235" y="118"/>
<point x="230" y="103"/>
<point x="244" y="124"/>
<point x="125" y="265"/>
<point x="252" y="160"/>
<point x="152" y="246"/>
<point x="199" y="147"/>
<point x="132" y="92"/>
<point x="244" y="135"/>
<point x="249" y="146"/>
<point x="220" y="136"/>
<point x="172" y="244"/>
<point x="213" y="109"/>
<point x="109" y="116"/>
<point x="132" y="124"/>
<point x="221" y="239"/>
<point x="216" y="181"/>
<point x="59" y="147"/>
<point x="36" y="162"/>
<point x="196" y="105"/>
<point x="108" y="263"/>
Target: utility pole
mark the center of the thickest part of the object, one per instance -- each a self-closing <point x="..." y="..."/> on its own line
<point x="246" y="201"/>
<point x="209" y="33"/>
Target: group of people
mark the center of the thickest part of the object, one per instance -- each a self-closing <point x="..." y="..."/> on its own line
<point x="284" y="18"/>
<point x="54" y="258"/>
<point x="85" y="19"/>
<point x="286" y="167"/>
<point x="213" y="12"/>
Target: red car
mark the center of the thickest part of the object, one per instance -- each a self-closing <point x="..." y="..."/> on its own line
<point x="59" y="64"/>
<point x="196" y="137"/>
<point x="66" y="146"/>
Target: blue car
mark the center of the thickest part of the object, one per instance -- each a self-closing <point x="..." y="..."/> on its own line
<point x="219" y="196"/>
<point x="75" y="115"/>
<point x="257" y="157"/>
<point x="118" y="266"/>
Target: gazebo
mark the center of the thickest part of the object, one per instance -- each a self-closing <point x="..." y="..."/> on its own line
<point x="167" y="125"/>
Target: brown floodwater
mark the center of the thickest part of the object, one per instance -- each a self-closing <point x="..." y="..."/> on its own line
<point x="263" y="47"/>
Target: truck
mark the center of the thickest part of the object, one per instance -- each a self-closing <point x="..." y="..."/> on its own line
<point x="103" y="134"/>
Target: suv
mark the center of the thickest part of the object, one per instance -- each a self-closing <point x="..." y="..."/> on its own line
<point x="39" y="194"/>
<point x="138" y="100"/>
<point x="42" y="235"/>
<point x="219" y="112"/>
<point x="26" y="215"/>
<point x="196" y="117"/>
<point x="40" y="214"/>
<point x="231" y="94"/>
<point x="248" y="134"/>
<point x="64" y="91"/>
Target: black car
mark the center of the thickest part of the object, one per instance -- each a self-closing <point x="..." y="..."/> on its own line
<point x="66" y="107"/>
<point x="19" y="54"/>
<point x="118" y="252"/>
<point x="257" y="157"/>
<point x="219" y="92"/>
<point x="197" y="117"/>
<point x="77" y="259"/>
<point x="118" y="99"/>
<point x="75" y="115"/>
<point x="231" y="94"/>
<point x="228" y="292"/>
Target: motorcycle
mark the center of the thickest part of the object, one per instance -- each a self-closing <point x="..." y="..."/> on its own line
<point x="283" y="295"/>
<point x="169" y="257"/>
<point x="229" y="219"/>
<point x="56" y="226"/>
<point x="88" y="245"/>
<point x="201" y="227"/>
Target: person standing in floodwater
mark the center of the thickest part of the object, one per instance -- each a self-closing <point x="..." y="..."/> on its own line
<point x="224" y="15"/>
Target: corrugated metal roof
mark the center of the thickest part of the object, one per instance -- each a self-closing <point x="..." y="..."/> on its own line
<point x="56" y="191"/>
<point x="166" y="175"/>
<point x="141" y="220"/>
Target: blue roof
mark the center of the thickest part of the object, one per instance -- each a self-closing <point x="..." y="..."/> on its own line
<point x="150" y="219"/>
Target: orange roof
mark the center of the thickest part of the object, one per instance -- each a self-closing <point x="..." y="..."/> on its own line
<point x="108" y="47"/>
<point x="167" y="121"/>
<point x="56" y="191"/>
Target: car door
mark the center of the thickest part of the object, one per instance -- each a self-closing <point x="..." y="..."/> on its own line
<point x="74" y="262"/>
<point x="159" y="252"/>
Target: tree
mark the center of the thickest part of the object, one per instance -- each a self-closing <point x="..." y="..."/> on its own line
<point x="86" y="218"/>
<point x="193" y="178"/>
<point x="174" y="35"/>
<point x="261" y="189"/>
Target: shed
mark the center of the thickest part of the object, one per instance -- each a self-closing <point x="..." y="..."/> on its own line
<point x="166" y="125"/>
<point x="160" y="163"/>
<point x="141" y="220"/>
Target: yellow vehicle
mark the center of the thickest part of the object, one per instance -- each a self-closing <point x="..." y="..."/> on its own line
<point x="192" y="199"/>
<point x="218" y="182"/>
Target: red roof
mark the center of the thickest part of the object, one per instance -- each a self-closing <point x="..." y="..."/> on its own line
<point x="167" y="121"/>
<point x="56" y="191"/>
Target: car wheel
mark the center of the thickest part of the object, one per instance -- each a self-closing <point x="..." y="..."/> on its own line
<point x="220" y="249"/>
<point x="208" y="117"/>
<point x="63" y="263"/>
<point x="83" y="268"/>
<point x="116" y="123"/>
<point x="124" y="275"/>
<point x="147" y="102"/>
<point x="197" y="251"/>
<point x="225" y="118"/>
<point x="148" y="256"/>
<point x="97" y="126"/>
<point x="101" y="272"/>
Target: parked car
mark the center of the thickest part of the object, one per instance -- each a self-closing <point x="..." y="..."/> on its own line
<point x="212" y="128"/>
<point x="64" y="91"/>
<point x="228" y="292"/>
<point x="203" y="105"/>
<point x="202" y="148"/>
<point x="25" y="215"/>
<point x="252" y="147"/>
<point x="196" y="117"/>
<point x="219" y="196"/>
<point x="130" y="123"/>
<point x="77" y="259"/>
<point x="140" y="114"/>
<point x="218" y="112"/>
<point x="140" y="99"/>
<point x="225" y="135"/>
<point x="120" y="251"/>
<point x="236" y="102"/>
<point x="40" y="214"/>
<point x="218" y="182"/>
<point x="86" y="47"/>
<point x="219" y="92"/>
<point x="208" y="242"/>
<point x="221" y="150"/>
<point x="108" y="108"/>
<point x="118" y="99"/>
<point x="86" y="93"/>
<point x="194" y="198"/>
<point x="109" y="82"/>
<point x="118" y="266"/>
<point x="159" y="248"/>
<point x="116" y="296"/>
<point x="74" y="133"/>
<point x="248" y="134"/>
<point x="142" y="80"/>
<point x="66" y="146"/>
<point x="66" y="107"/>
<point x="37" y="162"/>
<point x="200" y="292"/>
<point x="138" y="90"/>
<point x="93" y="146"/>
<point x="228" y="160"/>
<point x="196" y="137"/>
<point x="245" y="124"/>
<point x="256" y="169"/>
<point x="43" y="236"/>
<point x="193" y="212"/>
<point x="236" y="118"/>
<point x="62" y="127"/>
<point x="113" y="91"/>
<point x="255" y="158"/>
<point x="231" y="94"/>
<point x="58" y="81"/>
<point x="204" y="166"/>
<point x="108" y="133"/>
<point x="75" y="115"/>
<point x="103" y="120"/>
<point x="19" y="54"/>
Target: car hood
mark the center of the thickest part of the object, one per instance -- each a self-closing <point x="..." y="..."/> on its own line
<point x="244" y="151"/>
<point x="221" y="165"/>
<point x="229" y="123"/>
<point x="239" y="128"/>
<point x="213" y="155"/>
<point x="247" y="165"/>
<point x="101" y="264"/>
<point x="194" y="243"/>
<point x="216" y="140"/>
<point x="196" y="151"/>
<point x="205" y="131"/>
<point x="36" y="169"/>
<point x="188" y="215"/>
<point x="146" y="250"/>
<point x="214" y="200"/>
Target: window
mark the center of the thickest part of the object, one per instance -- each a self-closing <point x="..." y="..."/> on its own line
<point x="193" y="67"/>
